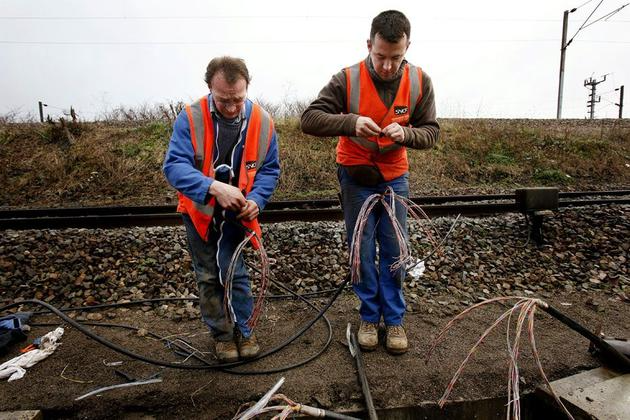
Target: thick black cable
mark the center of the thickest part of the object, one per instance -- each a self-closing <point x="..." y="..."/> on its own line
<point x="104" y="341"/>
<point x="131" y="354"/>
<point x="297" y="364"/>
<point x="617" y="357"/>
<point x="177" y="299"/>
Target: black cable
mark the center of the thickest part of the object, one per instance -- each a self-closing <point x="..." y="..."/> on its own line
<point x="332" y="415"/>
<point x="292" y="366"/>
<point x="119" y="304"/>
<point x="175" y="299"/>
<point x="606" y="16"/>
<point x="185" y="352"/>
<point x="208" y="365"/>
<point x="582" y="26"/>
<point x="224" y="366"/>
<point x="617" y="357"/>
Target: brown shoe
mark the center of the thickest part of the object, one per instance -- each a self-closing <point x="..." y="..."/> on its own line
<point x="226" y="351"/>
<point x="396" y="340"/>
<point x="368" y="336"/>
<point x="248" y="347"/>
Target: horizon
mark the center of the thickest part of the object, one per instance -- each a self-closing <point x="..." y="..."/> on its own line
<point x="490" y="59"/>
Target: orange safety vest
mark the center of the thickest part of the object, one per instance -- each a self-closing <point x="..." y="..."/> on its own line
<point x="258" y="136"/>
<point x="363" y="99"/>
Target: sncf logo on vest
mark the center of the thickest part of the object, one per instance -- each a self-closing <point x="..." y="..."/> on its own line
<point x="250" y="165"/>
<point x="401" y="110"/>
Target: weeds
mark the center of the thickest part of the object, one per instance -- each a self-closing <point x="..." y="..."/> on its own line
<point x="145" y="112"/>
<point x="551" y="176"/>
<point x="120" y="157"/>
<point x="500" y="158"/>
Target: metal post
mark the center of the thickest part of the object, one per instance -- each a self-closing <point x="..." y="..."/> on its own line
<point x="593" y="99"/>
<point x="563" y="49"/>
<point x="620" y="104"/>
<point x="41" y="111"/>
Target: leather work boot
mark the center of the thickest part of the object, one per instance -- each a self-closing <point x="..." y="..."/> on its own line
<point x="396" y="340"/>
<point x="226" y="351"/>
<point x="368" y="336"/>
<point x="248" y="347"/>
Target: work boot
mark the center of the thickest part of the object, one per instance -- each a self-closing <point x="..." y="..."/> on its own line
<point x="368" y="336"/>
<point x="226" y="351"/>
<point x="248" y="347"/>
<point x="396" y="339"/>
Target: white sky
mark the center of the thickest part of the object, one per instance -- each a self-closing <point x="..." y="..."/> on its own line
<point x="486" y="58"/>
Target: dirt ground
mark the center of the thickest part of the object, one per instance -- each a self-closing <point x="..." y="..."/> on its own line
<point x="330" y="381"/>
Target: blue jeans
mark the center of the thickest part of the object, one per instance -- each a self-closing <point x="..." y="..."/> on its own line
<point x="210" y="262"/>
<point x="379" y="289"/>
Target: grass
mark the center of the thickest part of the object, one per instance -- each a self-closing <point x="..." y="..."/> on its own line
<point x="119" y="162"/>
<point x="551" y="177"/>
<point x="146" y="142"/>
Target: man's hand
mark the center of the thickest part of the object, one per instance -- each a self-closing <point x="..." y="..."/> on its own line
<point x="395" y="132"/>
<point x="250" y="211"/>
<point x="228" y="196"/>
<point x="366" y="127"/>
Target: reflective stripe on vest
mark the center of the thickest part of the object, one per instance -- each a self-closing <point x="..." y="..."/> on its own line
<point x="259" y="131"/>
<point x="411" y="79"/>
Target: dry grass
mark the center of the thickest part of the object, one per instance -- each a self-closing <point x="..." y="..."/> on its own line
<point x="119" y="162"/>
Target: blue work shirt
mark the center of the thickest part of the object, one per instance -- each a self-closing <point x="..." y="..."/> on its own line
<point x="181" y="172"/>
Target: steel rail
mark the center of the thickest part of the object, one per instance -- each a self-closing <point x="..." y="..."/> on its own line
<point x="274" y="205"/>
<point x="276" y="212"/>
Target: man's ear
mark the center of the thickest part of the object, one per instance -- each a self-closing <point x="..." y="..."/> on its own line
<point x="369" y="45"/>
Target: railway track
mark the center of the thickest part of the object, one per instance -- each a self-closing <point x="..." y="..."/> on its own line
<point x="283" y="211"/>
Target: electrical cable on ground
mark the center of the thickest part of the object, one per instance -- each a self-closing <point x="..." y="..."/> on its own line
<point x="207" y="365"/>
<point x="176" y="299"/>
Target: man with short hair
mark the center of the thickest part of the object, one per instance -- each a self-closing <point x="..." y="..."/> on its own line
<point x="378" y="107"/>
<point x="223" y="161"/>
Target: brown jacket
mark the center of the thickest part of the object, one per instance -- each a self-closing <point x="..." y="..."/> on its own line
<point x="327" y="115"/>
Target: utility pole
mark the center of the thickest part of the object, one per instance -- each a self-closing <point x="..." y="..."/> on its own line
<point x="593" y="99"/>
<point x="41" y="110"/>
<point x="563" y="50"/>
<point x="620" y="104"/>
<point x="564" y="44"/>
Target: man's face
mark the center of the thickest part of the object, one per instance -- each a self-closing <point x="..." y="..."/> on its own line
<point x="386" y="56"/>
<point x="229" y="99"/>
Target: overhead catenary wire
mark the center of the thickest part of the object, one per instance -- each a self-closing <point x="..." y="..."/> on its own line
<point x="583" y="4"/>
<point x="586" y="22"/>
<point x="286" y="17"/>
<point x="285" y="41"/>
<point x="606" y="16"/>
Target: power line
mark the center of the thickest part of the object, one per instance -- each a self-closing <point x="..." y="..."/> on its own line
<point x="586" y="20"/>
<point x="105" y="43"/>
<point x="583" y="4"/>
<point x="606" y="17"/>
<point x="218" y="17"/>
<point x="226" y="17"/>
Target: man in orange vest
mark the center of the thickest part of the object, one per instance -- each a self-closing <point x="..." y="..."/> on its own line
<point x="223" y="161"/>
<point x="378" y="108"/>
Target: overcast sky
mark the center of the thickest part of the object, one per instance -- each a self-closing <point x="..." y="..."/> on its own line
<point x="486" y="58"/>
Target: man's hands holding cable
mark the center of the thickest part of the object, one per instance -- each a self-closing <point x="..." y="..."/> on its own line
<point x="231" y="198"/>
<point x="395" y="132"/>
<point x="366" y="127"/>
<point x="250" y="211"/>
